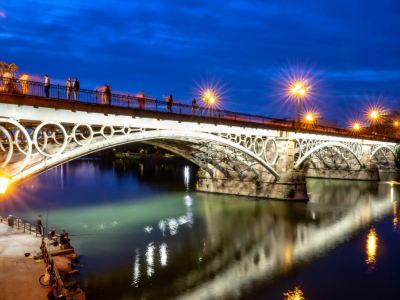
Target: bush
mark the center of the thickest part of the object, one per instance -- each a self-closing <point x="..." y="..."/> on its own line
<point x="291" y="193"/>
<point x="397" y="157"/>
<point x="364" y="166"/>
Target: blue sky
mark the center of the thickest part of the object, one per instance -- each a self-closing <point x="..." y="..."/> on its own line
<point x="163" y="47"/>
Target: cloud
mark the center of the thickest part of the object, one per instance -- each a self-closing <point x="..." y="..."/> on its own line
<point x="161" y="46"/>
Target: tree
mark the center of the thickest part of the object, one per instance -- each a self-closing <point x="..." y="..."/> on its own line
<point x="3" y="68"/>
<point x="397" y="157"/>
<point x="13" y="68"/>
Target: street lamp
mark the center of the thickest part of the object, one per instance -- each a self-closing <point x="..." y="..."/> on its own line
<point x="396" y="124"/>
<point x="4" y="180"/>
<point x="374" y="115"/>
<point x="209" y="98"/>
<point x="299" y="90"/>
<point x="310" y="117"/>
<point x="356" y="126"/>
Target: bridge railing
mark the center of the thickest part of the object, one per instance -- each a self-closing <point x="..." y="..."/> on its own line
<point x="60" y="92"/>
<point x="99" y="97"/>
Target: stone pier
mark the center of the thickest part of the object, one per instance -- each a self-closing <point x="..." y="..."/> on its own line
<point x="290" y="186"/>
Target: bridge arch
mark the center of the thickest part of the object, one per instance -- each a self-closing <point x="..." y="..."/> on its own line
<point x="380" y="147"/>
<point x="325" y="145"/>
<point x="184" y="143"/>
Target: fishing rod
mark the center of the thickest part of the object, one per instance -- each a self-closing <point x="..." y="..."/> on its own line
<point x="86" y="234"/>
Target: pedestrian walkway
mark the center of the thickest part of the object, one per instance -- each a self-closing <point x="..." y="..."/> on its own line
<point x="19" y="276"/>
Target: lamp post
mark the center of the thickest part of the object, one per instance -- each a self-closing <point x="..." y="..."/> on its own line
<point x="374" y="117"/>
<point x="299" y="90"/>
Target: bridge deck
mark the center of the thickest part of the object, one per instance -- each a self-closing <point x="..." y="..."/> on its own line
<point x="216" y="119"/>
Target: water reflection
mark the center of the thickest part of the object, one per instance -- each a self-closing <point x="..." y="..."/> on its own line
<point x="136" y="269"/>
<point x="296" y="294"/>
<point x="372" y="245"/>
<point x="188" y="245"/>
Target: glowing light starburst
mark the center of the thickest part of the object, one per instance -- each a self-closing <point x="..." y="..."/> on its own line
<point x="211" y="91"/>
<point x="295" y="83"/>
<point x="296" y="294"/>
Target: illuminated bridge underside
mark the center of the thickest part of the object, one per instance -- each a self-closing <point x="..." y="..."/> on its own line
<point x="342" y="154"/>
<point x="38" y="147"/>
<point x="234" y="157"/>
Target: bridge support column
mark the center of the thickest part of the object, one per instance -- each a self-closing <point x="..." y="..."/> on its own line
<point x="366" y="154"/>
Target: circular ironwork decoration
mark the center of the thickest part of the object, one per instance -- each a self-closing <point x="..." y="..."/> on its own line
<point x="62" y="130"/>
<point x="85" y="133"/>
<point x="258" y="146"/>
<point x="271" y="151"/>
<point x="248" y="142"/>
<point x="107" y="131"/>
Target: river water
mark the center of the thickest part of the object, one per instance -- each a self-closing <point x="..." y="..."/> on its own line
<point x="143" y="232"/>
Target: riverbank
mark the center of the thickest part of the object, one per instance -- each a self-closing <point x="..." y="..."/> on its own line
<point x="19" y="276"/>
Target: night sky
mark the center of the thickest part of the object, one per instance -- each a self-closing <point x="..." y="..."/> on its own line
<point x="349" y="48"/>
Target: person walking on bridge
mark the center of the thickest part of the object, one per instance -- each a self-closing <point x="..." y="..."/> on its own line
<point x="68" y="84"/>
<point x="141" y="97"/>
<point x="169" y="101"/>
<point x="194" y="106"/>
<point x="23" y="79"/>
<point x="76" y="88"/>
<point x="107" y="92"/>
<point x="46" y="85"/>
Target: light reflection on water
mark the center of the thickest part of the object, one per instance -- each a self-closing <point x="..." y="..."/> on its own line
<point x="372" y="245"/>
<point x="189" y="245"/>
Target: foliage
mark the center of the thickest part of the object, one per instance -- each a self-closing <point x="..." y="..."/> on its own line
<point x="397" y="157"/>
<point x="13" y="68"/>
<point x="5" y="67"/>
<point x="363" y="166"/>
<point x="291" y="193"/>
<point x="126" y="156"/>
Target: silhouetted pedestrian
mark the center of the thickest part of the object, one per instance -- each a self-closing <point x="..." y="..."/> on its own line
<point x="194" y="106"/>
<point x="39" y="224"/>
<point x="24" y="78"/>
<point x="107" y="92"/>
<point x="68" y="84"/>
<point x="141" y="100"/>
<point x="169" y="101"/>
<point x="76" y="88"/>
<point x="46" y="85"/>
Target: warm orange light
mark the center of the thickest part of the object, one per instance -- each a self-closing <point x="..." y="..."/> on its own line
<point x="372" y="245"/>
<point x="356" y="126"/>
<point x="211" y="100"/>
<point x="297" y="294"/>
<point x="208" y="95"/>
<point x="309" y="117"/>
<point x="4" y="180"/>
<point x="396" y="123"/>
<point x="374" y="114"/>
<point x="298" y="89"/>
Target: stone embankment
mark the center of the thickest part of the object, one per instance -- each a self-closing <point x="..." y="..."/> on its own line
<point x="65" y="261"/>
<point x="24" y="257"/>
